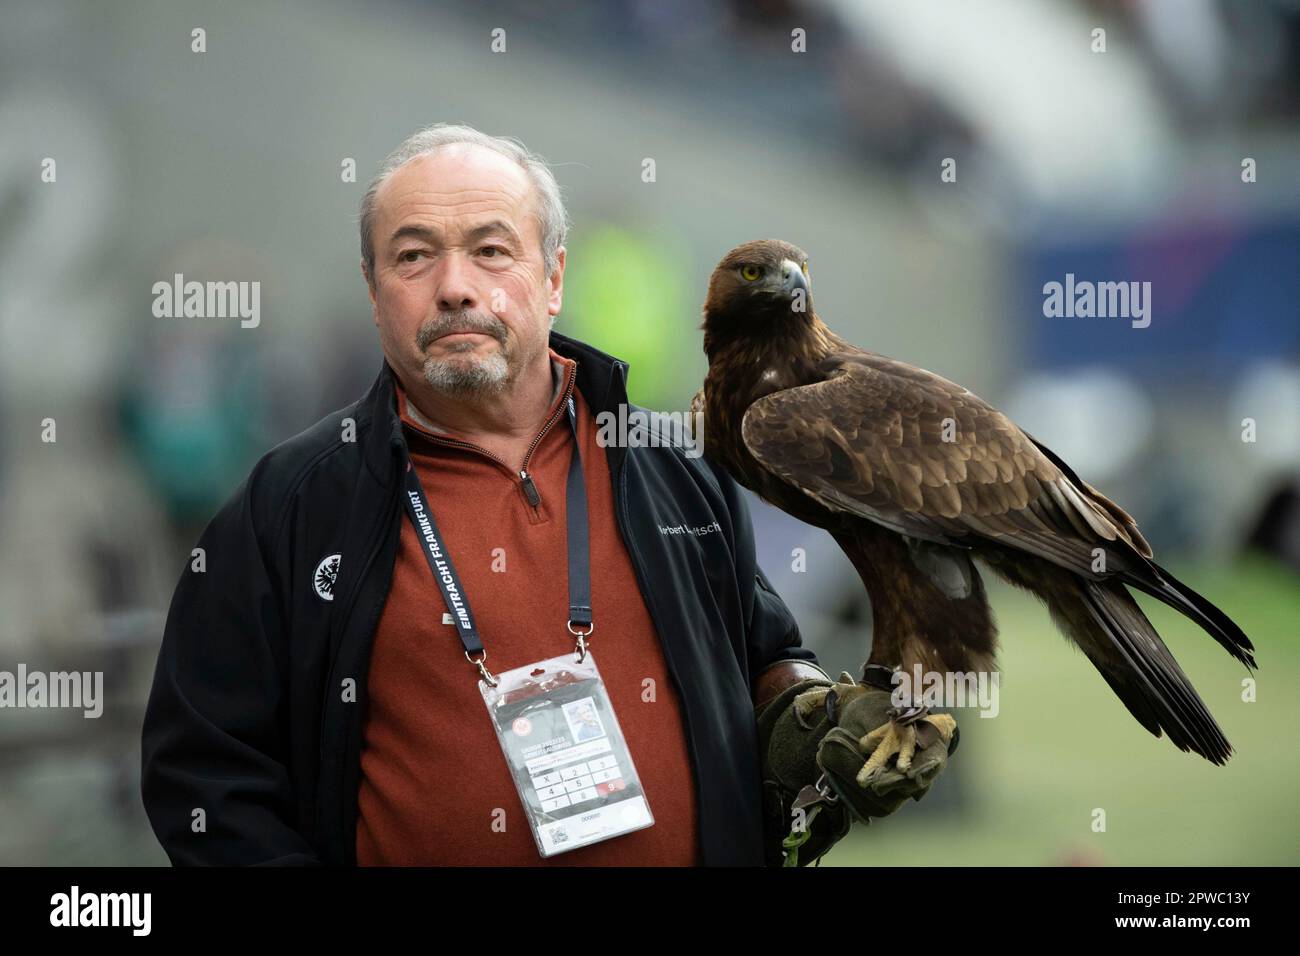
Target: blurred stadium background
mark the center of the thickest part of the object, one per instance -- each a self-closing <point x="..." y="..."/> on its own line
<point x="1122" y="165"/>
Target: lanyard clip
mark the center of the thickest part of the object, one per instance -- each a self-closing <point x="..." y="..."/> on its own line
<point x="582" y="639"/>
<point x="483" y="671"/>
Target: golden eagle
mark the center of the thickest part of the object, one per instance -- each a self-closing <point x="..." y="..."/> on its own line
<point x="914" y="476"/>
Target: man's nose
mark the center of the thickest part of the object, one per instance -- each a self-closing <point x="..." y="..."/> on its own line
<point x="454" y="289"/>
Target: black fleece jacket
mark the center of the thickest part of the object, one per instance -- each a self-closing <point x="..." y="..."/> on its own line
<point x="246" y="720"/>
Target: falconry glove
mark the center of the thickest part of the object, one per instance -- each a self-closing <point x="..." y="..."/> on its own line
<point x="855" y="753"/>
<point x="788" y="747"/>
<point x="818" y="739"/>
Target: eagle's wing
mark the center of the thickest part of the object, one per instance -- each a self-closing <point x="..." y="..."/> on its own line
<point x="870" y="440"/>
<point x="923" y="456"/>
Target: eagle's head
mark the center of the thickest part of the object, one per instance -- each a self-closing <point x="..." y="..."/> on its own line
<point x="758" y="289"/>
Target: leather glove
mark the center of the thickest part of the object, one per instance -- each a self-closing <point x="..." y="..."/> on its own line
<point x="788" y="750"/>
<point x="866" y="763"/>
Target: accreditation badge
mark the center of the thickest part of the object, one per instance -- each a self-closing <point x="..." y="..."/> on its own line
<point x="567" y="755"/>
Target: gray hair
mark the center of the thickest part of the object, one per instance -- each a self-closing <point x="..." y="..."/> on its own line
<point x="550" y="206"/>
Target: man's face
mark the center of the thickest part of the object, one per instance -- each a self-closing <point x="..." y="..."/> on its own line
<point x="460" y="292"/>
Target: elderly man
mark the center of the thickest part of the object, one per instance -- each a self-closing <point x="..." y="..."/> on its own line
<point x="442" y="544"/>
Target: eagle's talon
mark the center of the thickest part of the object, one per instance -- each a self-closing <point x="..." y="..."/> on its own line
<point x="896" y="739"/>
<point x="809" y="702"/>
<point x="834" y="699"/>
<point x="945" y="724"/>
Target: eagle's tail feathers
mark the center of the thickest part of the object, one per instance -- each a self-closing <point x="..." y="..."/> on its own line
<point x="1165" y="587"/>
<point x="1150" y="683"/>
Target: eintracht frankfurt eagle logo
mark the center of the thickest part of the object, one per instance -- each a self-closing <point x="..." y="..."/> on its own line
<point x="327" y="572"/>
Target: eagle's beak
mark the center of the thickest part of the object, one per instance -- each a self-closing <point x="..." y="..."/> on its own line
<point x="792" y="278"/>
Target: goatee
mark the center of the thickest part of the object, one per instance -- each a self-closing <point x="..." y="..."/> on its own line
<point x="470" y="375"/>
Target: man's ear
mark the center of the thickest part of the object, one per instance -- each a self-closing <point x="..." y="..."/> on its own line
<point x="370" y="288"/>
<point x="556" y="299"/>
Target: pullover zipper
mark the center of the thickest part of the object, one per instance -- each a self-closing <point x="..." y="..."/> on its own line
<point x="525" y="479"/>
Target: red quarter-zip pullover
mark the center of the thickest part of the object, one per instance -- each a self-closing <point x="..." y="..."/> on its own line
<point x="435" y="788"/>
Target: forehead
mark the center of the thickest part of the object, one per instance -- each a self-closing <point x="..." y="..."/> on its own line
<point x="459" y="184"/>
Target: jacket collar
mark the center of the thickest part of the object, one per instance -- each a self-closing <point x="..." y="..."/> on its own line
<point x="602" y="380"/>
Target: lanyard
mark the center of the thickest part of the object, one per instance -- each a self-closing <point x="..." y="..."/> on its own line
<point x="444" y="573"/>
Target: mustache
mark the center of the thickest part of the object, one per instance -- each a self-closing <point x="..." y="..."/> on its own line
<point x="461" y="320"/>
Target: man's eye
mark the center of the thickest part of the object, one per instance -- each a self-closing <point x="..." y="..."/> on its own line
<point x="410" y="255"/>
<point x="492" y="251"/>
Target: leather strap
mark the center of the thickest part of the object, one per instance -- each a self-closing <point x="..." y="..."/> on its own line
<point x="781" y="675"/>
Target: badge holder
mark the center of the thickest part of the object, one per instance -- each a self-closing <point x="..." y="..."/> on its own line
<point x="566" y="753"/>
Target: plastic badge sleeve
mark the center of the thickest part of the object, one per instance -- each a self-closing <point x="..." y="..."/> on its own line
<point x="566" y="753"/>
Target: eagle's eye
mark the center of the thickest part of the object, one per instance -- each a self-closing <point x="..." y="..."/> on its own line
<point x="804" y="267"/>
<point x="751" y="273"/>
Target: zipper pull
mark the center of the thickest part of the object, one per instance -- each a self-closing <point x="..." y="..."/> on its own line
<point x="530" y="489"/>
